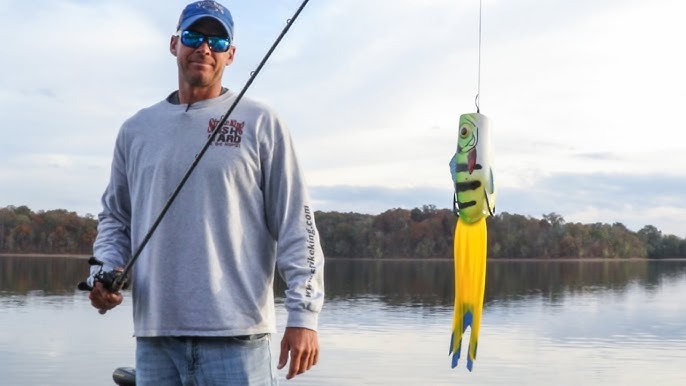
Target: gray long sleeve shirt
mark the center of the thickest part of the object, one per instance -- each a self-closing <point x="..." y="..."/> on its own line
<point x="209" y="267"/>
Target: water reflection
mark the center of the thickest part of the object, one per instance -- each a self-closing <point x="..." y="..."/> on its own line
<point x="610" y="323"/>
<point x="431" y="282"/>
<point x="399" y="282"/>
<point x="52" y="275"/>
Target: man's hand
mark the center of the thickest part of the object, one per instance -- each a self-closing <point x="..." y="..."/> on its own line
<point x="103" y="299"/>
<point x="303" y="345"/>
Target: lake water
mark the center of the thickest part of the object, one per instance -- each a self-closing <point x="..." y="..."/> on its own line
<point x="388" y="323"/>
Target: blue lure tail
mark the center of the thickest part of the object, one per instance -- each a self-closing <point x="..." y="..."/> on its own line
<point x="456" y="351"/>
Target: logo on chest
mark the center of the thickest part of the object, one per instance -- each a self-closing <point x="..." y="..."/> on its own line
<point x="229" y="134"/>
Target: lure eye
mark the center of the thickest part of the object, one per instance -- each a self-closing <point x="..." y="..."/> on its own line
<point x="465" y="131"/>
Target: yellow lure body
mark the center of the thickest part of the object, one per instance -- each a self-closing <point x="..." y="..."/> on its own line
<point x="470" y="282"/>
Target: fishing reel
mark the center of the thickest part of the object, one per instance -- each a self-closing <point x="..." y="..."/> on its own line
<point x="113" y="280"/>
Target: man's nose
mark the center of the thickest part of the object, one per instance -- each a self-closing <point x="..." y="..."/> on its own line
<point x="204" y="47"/>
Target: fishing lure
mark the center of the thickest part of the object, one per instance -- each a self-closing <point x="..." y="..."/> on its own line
<point x="474" y="201"/>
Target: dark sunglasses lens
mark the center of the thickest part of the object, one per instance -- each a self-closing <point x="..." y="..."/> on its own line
<point x="195" y="40"/>
<point x="218" y="44"/>
<point x="192" y="39"/>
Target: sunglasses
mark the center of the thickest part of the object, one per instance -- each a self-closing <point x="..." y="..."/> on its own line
<point x="196" y="39"/>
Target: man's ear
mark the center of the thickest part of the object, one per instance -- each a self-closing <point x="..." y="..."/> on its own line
<point x="172" y="44"/>
<point x="229" y="58"/>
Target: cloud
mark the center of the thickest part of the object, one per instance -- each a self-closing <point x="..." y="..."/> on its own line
<point x="634" y="200"/>
<point x="45" y="181"/>
<point x="376" y="199"/>
<point x="585" y="98"/>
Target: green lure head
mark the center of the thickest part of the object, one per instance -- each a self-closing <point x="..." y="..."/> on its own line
<point x="471" y="169"/>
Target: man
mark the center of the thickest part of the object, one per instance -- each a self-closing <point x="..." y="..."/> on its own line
<point x="203" y="303"/>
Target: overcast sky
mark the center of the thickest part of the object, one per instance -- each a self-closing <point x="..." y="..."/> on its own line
<point x="586" y="99"/>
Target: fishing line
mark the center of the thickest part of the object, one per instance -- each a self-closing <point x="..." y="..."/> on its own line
<point x="478" y="76"/>
<point x="119" y="281"/>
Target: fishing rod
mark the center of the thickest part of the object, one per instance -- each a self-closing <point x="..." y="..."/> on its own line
<point x="117" y="279"/>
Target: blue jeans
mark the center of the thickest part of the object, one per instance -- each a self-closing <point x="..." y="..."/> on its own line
<point x="204" y="361"/>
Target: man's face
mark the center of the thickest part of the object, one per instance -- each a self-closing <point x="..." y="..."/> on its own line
<point x="201" y="67"/>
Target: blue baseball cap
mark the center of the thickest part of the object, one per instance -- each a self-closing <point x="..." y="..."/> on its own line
<point x="206" y="8"/>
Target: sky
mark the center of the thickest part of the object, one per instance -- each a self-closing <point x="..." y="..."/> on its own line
<point x="586" y="99"/>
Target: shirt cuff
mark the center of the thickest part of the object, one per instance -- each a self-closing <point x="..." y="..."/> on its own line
<point x="303" y="319"/>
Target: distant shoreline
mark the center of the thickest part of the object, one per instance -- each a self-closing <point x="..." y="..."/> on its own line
<point x="532" y="259"/>
<point x="75" y="256"/>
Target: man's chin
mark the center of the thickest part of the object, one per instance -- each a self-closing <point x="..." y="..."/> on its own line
<point x="200" y="80"/>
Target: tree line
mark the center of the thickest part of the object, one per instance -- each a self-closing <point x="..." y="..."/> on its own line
<point x="425" y="232"/>
<point x="55" y="231"/>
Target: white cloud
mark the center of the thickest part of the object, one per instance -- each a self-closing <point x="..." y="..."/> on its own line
<point x="372" y="92"/>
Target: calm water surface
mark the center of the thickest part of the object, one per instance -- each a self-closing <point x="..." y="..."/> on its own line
<point x="388" y="323"/>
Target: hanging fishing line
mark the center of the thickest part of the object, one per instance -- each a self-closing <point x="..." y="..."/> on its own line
<point x="478" y="76"/>
<point x="120" y="278"/>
